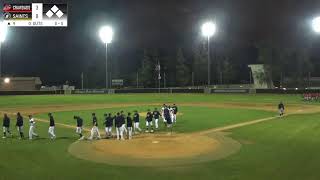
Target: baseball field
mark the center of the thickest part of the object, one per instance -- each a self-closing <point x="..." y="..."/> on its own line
<point x="227" y="137"/>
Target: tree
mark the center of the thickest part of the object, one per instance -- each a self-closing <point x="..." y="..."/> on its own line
<point x="200" y="64"/>
<point x="182" y="70"/>
<point x="228" y="72"/>
<point x="146" y="71"/>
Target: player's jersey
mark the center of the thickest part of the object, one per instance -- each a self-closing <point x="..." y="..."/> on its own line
<point x="19" y="121"/>
<point x="6" y="121"/>
<point x="94" y="121"/>
<point x="109" y="121"/>
<point x="51" y="121"/>
<point x="149" y="117"/>
<point x="79" y="122"/>
<point x="175" y="109"/>
<point x="156" y="114"/>
<point x="118" y="121"/>
<point x="136" y="117"/>
<point x="129" y="121"/>
<point x="281" y="106"/>
<point x="32" y="122"/>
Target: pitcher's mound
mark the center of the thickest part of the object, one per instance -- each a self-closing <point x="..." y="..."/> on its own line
<point x="157" y="149"/>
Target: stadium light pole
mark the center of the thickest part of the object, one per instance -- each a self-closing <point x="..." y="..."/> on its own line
<point x="3" y="34"/>
<point x="209" y="30"/>
<point x="106" y="35"/>
<point x="316" y="25"/>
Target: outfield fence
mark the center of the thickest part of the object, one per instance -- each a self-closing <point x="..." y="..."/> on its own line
<point x="164" y="90"/>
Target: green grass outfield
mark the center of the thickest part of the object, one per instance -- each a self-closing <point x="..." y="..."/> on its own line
<point x="279" y="149"/>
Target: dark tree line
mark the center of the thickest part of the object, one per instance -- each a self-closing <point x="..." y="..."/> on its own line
<point x="183" y="67"/>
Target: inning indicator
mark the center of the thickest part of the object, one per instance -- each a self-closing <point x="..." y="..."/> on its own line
<point x="36" y="15"/>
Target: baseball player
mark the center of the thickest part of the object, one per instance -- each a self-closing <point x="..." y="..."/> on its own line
<point x="124" y="126"/>
<point x="167" y="116"/>
<point x="162" y="112"/>
<point x="136" y="119"/>
<point x="281" y="109"/>
<point x="171" y="113"/>
<point x="95" y="129"/>
<point x="32" y="127"/>
<point x="174" y="112"/>
<point x="19" y="125"/>
<point x="149" y="124"/>
<point x="156" y="116"/>
<point x="51" y="127"/>
<point x="6" y="126"/>
<point x="119" y="129"/>
<point x="79" y="126"/>
<point x="129" y="125"/>
<point x="109" y="123"/>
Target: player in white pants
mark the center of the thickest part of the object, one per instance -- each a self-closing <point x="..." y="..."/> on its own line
<point x="95" y="130"/>
<point x="174" y="112"/>
<point x="6" y="126"/>
<point x="119" y="121"/>
<point x="125" y="131"/>
<point x="162" y="113"/>
<point x="51" y="127"/>
<point x="171" y="113"/>
<point x="129" y="126"/>
<point x="136" y="119"/>
<point x="108" y="123"/>
<point x="32" y="128"/>
<point x="156" y="116"/>
<point x="79" y="126"/>
<point x="149" y="124"/>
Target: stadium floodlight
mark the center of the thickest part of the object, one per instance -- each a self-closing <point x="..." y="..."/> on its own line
<point x="106" y="35"/>
<point x="209" y="30"/>
<point x="316" y="25"/>
<point x="6" y="80"/>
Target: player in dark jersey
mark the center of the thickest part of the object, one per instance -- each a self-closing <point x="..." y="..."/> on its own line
<point x="108" y="123"/>
<point x="119" y="129"/>
<point x="281" y="109"/>
<point x="79" y="126"/>
<point x="6" y="126"/>
<point x="129" y="126"/>
<point x="94" y="130"/>
<point x="51" y="127"/>
<point x="149" y="125"/>
<point x="156" y="116"/>
<point x="167" y="116"/>
<point x="19" y="125"/>
<point x="136" y="119"/>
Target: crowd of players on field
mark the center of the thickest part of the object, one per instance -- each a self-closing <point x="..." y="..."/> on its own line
<point x="125" y="125"/>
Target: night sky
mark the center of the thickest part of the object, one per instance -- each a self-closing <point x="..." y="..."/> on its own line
<point x="60" y="54"/>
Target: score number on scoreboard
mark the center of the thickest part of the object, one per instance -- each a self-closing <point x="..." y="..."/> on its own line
<point x="36" y="15"/>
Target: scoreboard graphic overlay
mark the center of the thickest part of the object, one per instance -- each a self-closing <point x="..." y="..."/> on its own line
<point x="36" y="15"/>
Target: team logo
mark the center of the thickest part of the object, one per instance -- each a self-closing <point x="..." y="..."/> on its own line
<point x="54" y="11"/>
<point x="7" y="7"/>
<point x="7" y="15"/>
